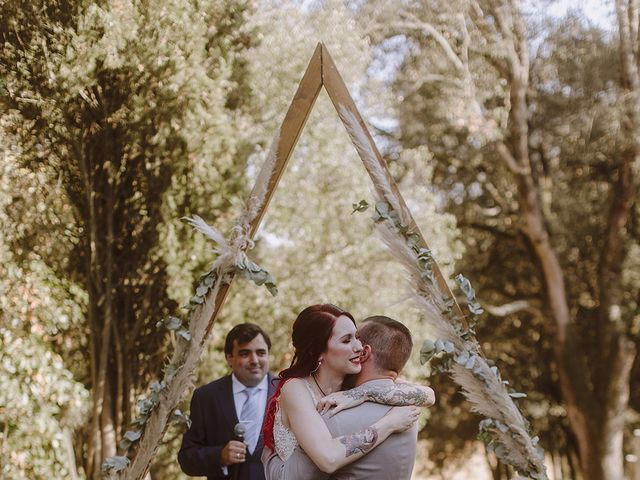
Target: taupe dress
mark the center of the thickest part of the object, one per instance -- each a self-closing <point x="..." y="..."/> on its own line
<point x="393" y="459"/>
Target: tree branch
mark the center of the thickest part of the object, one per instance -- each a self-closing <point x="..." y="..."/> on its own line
<point x="499" y="199"/>
<point x="613" y="251"/>
<point x="410" y="23"/>
<point x="507" y="309"/>
<point x="488" y="228"/>
<point x="510" y="161"/>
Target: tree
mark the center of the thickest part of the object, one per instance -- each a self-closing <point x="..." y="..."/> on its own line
<point x="36" y="311"/>
<point x="526" y="149"/>
<point x="133" y="110"/>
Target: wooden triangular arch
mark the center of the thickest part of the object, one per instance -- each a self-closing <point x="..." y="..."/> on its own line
<point x="322" y="72"/>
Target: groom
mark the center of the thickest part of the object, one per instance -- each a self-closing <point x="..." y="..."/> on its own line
<point x="387" y="346"/>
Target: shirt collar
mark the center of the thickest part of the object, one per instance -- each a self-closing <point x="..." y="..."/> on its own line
<point x="379" y="381"/>
<point x="240" y="387"/>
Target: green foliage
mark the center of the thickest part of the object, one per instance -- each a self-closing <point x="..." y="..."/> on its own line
<point x="258" y="275"/>
<point x="576" y="144"/>
<point x="127" y="115"/>
<point x="361" y="206"/>
<point x="36" y="386"/>
<point x="116" y="464"/>
<point x="41" y="403"/>
<point x="470" y="294"/>
<point x="443" y="354"/>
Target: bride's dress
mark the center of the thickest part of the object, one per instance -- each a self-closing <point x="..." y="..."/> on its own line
<point x="284" y="440"/>
<point x="282" y="464"/>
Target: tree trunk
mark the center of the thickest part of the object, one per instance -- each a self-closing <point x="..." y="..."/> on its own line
<point x="617" y="399"/>
<point x="69" y="454"/>
<point x="595" y="406"/>
<point x="598" y="422"/>
<point x="119" y="381"/>
<point x="574" y="474"/>
<point x="107" y="422"/>
<point x="101" y="284"/>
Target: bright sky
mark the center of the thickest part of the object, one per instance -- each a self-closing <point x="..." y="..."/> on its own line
<point x="598" y="11"/>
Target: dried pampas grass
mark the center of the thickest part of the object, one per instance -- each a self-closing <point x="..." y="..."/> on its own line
<point x="480" y="383"/>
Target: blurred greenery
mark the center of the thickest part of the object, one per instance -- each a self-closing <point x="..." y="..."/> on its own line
<point x="120" y="117"/>
<point x="578" y="143"/>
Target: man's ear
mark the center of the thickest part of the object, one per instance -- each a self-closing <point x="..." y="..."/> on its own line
<point x="227" y="357"/>
<point x="366" y="353"/>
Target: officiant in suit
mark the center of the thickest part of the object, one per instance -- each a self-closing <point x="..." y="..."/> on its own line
<point x="209" y="446"/>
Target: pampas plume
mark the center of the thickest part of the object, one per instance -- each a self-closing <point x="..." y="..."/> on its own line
<point x="480" y="384"/>
<point x="203" y="227"/>
<point x="366" y="151"/>
<point x="261" y="187"/>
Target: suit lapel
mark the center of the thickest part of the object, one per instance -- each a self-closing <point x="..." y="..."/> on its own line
<point x="271" y="389"/>
<point x="271" y="386"/>
<point x="227" y="404"/>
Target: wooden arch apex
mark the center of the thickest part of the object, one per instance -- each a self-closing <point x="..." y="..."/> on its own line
<point x="322" y="72"/>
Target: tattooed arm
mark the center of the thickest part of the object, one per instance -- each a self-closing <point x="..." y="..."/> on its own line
<point x="359" y="442"/>
<point x="328" y="453"/>
<point x="396" y="394"/>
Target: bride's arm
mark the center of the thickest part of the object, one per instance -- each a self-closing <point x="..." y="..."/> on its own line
<point x="329" y="454"/>
<point x="396" y="394"/>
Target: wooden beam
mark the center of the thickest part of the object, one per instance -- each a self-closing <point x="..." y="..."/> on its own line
<point x="292" y="126"/>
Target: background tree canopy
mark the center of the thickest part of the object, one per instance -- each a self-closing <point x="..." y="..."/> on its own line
<point x="513" y="138"/>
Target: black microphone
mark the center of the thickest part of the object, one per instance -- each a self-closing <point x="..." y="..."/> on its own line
<point x="238" y="431"/>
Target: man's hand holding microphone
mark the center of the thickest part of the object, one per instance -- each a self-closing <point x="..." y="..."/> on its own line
<point x="235" y="451"/>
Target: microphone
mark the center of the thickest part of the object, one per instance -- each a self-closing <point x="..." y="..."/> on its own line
<point x="238" y="431"/>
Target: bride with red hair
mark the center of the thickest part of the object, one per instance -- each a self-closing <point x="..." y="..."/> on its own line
<point x="327" y="349"/>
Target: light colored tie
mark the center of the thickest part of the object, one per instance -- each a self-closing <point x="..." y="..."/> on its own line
<point x="249" y="417"/>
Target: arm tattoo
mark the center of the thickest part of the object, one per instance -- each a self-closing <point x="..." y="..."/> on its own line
<point x="396" y="394"/>
<point x="359" y="442"/>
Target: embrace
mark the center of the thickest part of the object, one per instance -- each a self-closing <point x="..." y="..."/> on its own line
<point x="337" y="412"/>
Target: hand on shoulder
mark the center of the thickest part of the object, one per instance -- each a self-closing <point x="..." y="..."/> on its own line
<point x="338" y="401"/>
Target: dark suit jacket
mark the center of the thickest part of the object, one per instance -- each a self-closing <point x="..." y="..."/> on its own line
<point x="213" y="416"/>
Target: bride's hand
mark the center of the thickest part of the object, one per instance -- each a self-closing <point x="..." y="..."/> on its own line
<point x="401" y="418"/>
<point x="338" y="401"/>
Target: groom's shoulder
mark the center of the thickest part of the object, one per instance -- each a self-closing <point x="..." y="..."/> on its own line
<point x="357" y="417"/>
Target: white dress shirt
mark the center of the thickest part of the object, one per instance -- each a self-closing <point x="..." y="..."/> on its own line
<point x="239" y="397"/>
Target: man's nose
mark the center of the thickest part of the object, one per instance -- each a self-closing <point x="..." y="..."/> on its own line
<point x="253" y="358"/>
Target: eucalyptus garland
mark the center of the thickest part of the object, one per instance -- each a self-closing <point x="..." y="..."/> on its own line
<point x="504" y="430"/>
<point x="243" y="267"/>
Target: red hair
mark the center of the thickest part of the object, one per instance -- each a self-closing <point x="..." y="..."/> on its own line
<point x="310" y="336"/>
